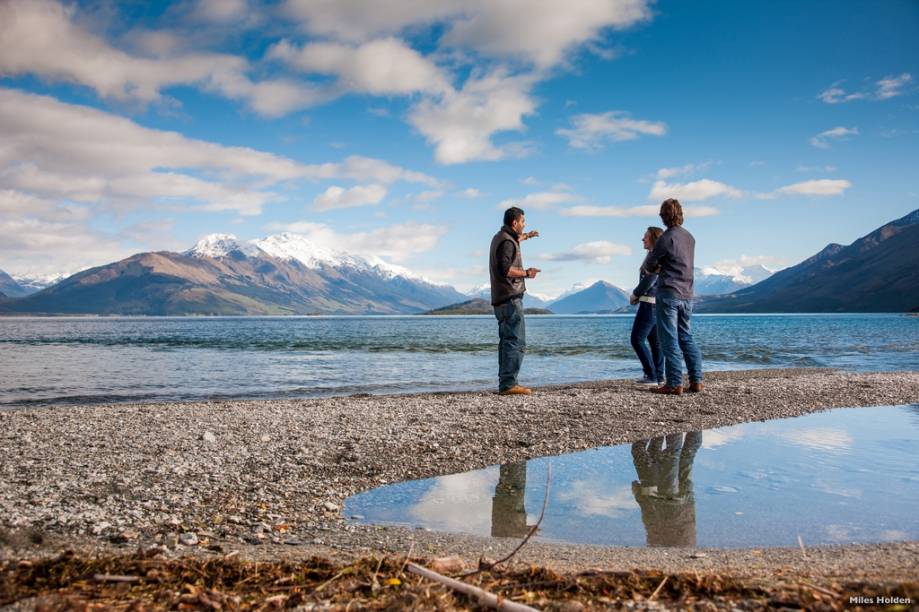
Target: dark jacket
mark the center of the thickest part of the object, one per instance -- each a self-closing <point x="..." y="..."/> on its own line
<point x="503" y="255"/>
<point x="674" y="252"/>
<point x="647" y="282"/>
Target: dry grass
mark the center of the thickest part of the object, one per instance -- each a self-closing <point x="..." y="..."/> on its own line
<point x="146" y="582"/>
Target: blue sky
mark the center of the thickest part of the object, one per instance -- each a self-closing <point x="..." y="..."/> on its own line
<point x="401" y="128"/>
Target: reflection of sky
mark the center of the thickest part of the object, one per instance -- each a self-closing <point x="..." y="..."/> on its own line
<point x="591" y="502"/>
<point x="460" y="502"/>
<point x="841" y="476"/>
<point x="826" y="438"/>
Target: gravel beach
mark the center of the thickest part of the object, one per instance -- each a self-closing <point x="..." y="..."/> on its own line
<point x="268" y="478"/>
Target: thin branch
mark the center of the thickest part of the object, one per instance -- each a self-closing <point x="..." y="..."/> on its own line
<point x="801" y="544"/>
<point x="658" y="589"/>
<point x="533" y="530"/>
<point x="113" y="578"/>
<point x="483" y="597"/>
<point x="820" y="589"/>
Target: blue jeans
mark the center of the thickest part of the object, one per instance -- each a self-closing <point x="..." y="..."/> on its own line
<point x="643" y="328"/>
<point x="673" y="325"/>
<point x="512" y="344"/>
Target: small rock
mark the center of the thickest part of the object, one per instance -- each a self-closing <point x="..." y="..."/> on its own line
<point x="265" y="438"/>
<point x="697" y="555"/>
<point x="293" y="542"/>
<point x="209" y="437"/>
<point x="447" y="565"/>
<point x="330" y="506"/>
<point x="100" y="527"/>
<point x="188" y="539"/>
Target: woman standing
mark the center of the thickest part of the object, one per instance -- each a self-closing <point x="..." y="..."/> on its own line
<point x="644" y="331"/>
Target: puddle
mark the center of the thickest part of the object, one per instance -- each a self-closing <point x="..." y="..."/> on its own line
<point x="845" y="476"/>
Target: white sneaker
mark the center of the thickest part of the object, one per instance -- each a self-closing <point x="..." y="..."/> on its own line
<point x="647" y="381"/>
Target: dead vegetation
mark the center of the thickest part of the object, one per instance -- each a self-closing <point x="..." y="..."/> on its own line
<point x="146" y="581"/>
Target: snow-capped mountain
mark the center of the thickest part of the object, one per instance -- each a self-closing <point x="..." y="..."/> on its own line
<point x="712" y="281"/>
<point x="220" y="274"/>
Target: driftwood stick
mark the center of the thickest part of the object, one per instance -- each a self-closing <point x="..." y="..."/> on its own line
<point x="483" y="597"/>
<point x="658" y="589"/>
<point x="820" y="589"/>
<point x="533" y="530"/>
<point x="114" y="578"/>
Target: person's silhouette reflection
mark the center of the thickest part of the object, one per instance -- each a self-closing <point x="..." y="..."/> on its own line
<point x="664" y="488"/>
<point x="508" y="514"/>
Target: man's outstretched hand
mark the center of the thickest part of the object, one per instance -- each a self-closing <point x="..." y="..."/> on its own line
<point x="528" y="235"/>
<point x="532" y="272"/>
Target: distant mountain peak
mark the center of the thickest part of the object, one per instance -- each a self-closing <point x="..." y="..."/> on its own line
<point x="221" y="245"/>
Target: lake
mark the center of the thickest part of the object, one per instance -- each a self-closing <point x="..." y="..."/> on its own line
<point x="117" y="359"/>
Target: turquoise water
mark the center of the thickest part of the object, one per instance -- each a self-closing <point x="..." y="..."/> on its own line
<point x="86" y="360"/>
<point x="844" y="476"/>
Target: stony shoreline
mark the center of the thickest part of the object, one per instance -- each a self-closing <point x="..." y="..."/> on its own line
<point x="267" y="478"/>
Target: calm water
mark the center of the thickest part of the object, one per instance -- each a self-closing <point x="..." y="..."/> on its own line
<point x="84" y="360"/>
<point x="845" y="476"/>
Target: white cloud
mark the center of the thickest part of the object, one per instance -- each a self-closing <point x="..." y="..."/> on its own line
<point x="380" y="67"/>
<point x="393" y="242"/>
<point x="819" y="187"/>
<point x="471" y="193"/>
<point x="803" y="168"/>
<point x="529" y="181"/>
<point x="40" y="37"/>
<point x="538" y="33"/>
<point x="221" y="11"/>
<point x="667" y="173"/>
<point x="694" y="191"/>
<point x="461" y="123"/>
<point x="884" y="89"/>
<point x="540" y="201"/>
<point x="336" y="197"/>
<point x="429" y="196"/>
<point x="822" y="139"/>
<point x="59" y="150"/>
<point x="891" y="86"/>
<point x="598" y="252"/>
<point x="40" y="237"/>
<point x="650" y="210"/>
<point x="592" y="131"/>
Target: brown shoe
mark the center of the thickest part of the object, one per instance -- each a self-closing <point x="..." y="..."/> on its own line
<point x="696" y="387"/>
<point x="665" y="390"/>
<point x="516" y="390"/>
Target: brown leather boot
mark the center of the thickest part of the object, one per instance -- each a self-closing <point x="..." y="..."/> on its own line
<point x="516" y="390"/>
<point x="665" y="390"/>
<point x="696" y="387"/>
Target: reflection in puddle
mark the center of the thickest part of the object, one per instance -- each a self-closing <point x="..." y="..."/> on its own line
<point x="664" y="488"/>
<point x="842" y="476"/>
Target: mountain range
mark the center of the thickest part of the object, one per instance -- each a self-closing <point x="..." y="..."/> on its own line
<point x="878" y="272"/>
<point x="281" y="274"/>
<point x="288" y="274"/>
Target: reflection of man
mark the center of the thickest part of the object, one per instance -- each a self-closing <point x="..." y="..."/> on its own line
<point x="664" y="488"/>
<point x="508" y="514"/>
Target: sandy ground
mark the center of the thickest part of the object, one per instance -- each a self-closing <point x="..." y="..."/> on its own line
<point x="268" y="478"/>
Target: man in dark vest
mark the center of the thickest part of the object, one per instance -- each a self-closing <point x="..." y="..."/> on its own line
<point x="507" y="289"/>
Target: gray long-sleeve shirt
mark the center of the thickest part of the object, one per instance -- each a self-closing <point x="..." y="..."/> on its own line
<point x="674" y="252"/>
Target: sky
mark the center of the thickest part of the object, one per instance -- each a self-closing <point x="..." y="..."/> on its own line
<point x="403" y="128"/>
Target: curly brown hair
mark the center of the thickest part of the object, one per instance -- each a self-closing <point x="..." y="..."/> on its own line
<point x="671" y="212"/>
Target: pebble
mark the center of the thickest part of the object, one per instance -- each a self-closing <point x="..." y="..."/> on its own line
<point x="188" y="539"/>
